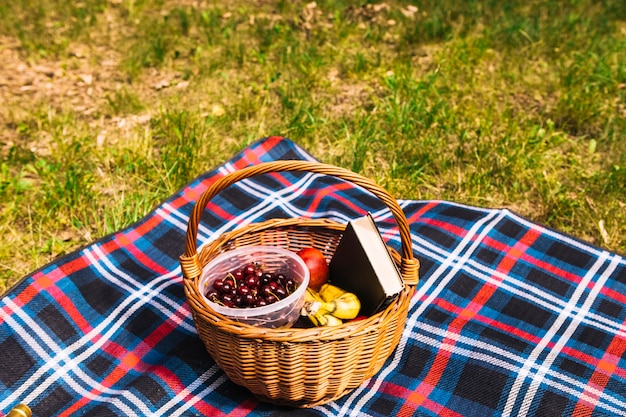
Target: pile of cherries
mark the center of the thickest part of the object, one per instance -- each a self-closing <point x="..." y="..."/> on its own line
<point x="249" y="287"/>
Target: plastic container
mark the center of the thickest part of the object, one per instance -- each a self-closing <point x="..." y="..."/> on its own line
<point x="283" y="313"/>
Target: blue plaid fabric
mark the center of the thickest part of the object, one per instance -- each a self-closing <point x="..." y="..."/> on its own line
<point x="509" y="319"/>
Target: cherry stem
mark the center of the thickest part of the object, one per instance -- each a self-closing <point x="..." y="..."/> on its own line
<point x="230" y="275"/>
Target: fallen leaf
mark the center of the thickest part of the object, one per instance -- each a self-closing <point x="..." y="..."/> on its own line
<point x="409" y="11"/>
<point x="217" y="110"/>
<point x="100" y="139"/>
<point x="162" y="84"/>
<point x="86" y="78"/>
<point x="603" y="232"/>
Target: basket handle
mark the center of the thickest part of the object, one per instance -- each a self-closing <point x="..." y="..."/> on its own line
<point x="190" y="264"/>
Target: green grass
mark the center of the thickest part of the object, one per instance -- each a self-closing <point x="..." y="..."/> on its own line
<point x="519" y="105"/>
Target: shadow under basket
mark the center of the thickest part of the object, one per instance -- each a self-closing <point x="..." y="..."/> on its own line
<point x="296" y="367"/>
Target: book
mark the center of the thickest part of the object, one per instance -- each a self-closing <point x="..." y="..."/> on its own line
<point x="363" y="265"/>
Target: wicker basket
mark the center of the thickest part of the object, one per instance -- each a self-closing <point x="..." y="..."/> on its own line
<point x="296" y="367"/>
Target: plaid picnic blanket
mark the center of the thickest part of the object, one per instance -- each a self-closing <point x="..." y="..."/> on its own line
<point x="510" y="318"/>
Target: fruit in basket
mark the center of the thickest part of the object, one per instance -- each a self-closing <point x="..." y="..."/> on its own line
<point x="338" y="305"/>
<point x="250" y="286"/>
<point x="317" y="265"/>
<point x="325" y="320"/>
<point x="329" y="292"/>
<point x="314" y="309"/>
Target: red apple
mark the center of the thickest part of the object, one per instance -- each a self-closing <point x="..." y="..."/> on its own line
<point x="317" y="265"/>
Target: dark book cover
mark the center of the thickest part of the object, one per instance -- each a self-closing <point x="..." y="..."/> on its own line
<point x="363" y="265"/>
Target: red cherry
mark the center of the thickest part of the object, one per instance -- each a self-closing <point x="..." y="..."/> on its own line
<point x="249" y="299"/>
<point x="281" y="292"/>
<point x="218" y="286"/>
<point x="212" y="295"/>
<point x="227" y="288"/>
<point x="266" y="290"/>
<point x="252" y="281"/>
<point x="249" y="269"/>
<point x="290" y="285"/>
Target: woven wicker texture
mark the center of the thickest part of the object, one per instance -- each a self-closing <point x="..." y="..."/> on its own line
<point x="296" y="367"/>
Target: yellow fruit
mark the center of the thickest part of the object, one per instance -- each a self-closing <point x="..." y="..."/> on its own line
<point x="329" y="292"/>
<point x="346" y="306"/>
<point x="343" y="306"/>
